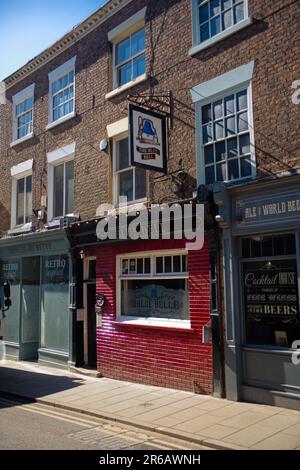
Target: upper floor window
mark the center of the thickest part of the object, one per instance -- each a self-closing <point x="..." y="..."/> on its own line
<point x="63" y="189"/>
<point x="129" y="181"/>
<point x="128" y="41"/>
<point x="215" y="19"/>
<point x="130" y="58"/>
<point x="24" y="200"/>
<point x="63" y="96"/>
<point x="23" y="104"/>
<point x="61" y="182"/>
<point x="62" y="92"/>
<point x="21" y="206"/>
<point x="226" y="138"/>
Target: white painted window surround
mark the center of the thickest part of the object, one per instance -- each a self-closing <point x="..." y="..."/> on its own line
<point x="116" y="131"/>
<point x="199" y="45"/>
<point x="152" y="275"/>
<point x="18" y="172"/>
<point x="118" y="127"/>
<point x="53" y="76"/>
<point x="212" y="90"/>
<point x="55" y="158"/>
<point x="18" y="99"/>
<point x="116" y="35"/>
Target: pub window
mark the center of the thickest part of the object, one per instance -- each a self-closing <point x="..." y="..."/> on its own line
<point x="270" y="283"/>
<point x="154" y="287"/>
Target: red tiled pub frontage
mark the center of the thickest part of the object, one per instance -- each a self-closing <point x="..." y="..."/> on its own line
<point x="159" y="355"/>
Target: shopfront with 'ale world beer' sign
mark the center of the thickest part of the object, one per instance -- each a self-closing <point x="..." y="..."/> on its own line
<point x="261" y="250"/>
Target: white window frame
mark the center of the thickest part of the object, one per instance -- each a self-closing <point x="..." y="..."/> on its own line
<point x="150" y="321"/>
<point x="117" y="35"/>
<point x="116" y="173"/>
<point x="18" y="172"/>
<point x="17" y="100"/>
<point x="56" y="158"/>
<point x="53" y="76"/>
<point x="221" y="86"/>
<point x="198" y="45"/>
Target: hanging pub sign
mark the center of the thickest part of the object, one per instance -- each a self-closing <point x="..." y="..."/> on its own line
<point x="271" y="293"/>
<point x="147" y="139"/>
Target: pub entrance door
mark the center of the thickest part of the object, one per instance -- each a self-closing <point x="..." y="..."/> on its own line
<point x="90" y="349"/>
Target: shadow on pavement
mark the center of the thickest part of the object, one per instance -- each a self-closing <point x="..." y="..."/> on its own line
<point x="32" y="385"/>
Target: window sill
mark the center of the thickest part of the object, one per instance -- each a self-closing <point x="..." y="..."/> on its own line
<point x="132" y="207"/>
<point x="20" y="229"/>
<point x="171" y="325"/>
<point x="23" y="139"/>
<point x="219" y="37"/>
<point x="127" y="86"/>
<point x="61" y="120"/>
<point x="54" y="223"/>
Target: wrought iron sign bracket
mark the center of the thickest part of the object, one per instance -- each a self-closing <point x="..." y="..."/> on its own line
<point x="160" y="103"/>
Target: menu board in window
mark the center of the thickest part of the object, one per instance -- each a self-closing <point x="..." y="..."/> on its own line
<point x="271" y="292"/>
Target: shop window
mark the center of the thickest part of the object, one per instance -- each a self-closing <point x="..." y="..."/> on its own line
<point x="129" y="181"/>
<point x="55" y="303"/>
<point x="270" y="283"/>
<point x="258" y="246"/>
<point x="11" y="271"/>
<point x="154" y="287"/>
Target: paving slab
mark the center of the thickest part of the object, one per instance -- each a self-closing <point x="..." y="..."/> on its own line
<point x="200" y="419"/>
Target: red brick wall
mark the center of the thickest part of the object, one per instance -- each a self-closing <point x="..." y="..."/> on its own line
<point x="157" y="356"/>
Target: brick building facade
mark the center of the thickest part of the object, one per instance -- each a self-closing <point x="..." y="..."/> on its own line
<point x="254" y="52"/>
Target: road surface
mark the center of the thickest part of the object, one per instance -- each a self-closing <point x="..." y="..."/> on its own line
<point x="35" y="426"/>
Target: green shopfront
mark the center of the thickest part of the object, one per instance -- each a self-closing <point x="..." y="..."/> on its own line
<point x="260" y="224"/>
<point x="38" y="326"/>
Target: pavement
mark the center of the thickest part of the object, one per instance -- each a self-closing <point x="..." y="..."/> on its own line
<point x="35" y="426"/>
<point x="197" y="419"/>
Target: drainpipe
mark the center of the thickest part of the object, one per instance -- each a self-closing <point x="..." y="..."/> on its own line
<point x="72" y="309"/>
<point x="215" y="314"/>
<point x="216" y="322"/>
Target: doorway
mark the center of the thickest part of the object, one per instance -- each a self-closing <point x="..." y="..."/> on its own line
<point x="90" y="348"/>
<point x="91" y="325"/>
